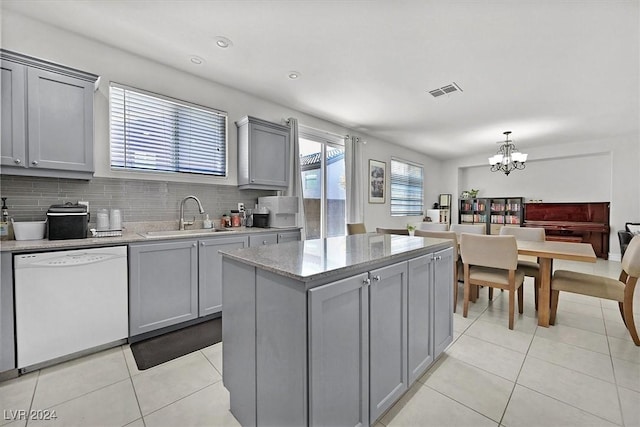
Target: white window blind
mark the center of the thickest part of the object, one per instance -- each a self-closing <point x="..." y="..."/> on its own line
<point x="406" y="188"/>
<point x="153" y="133"/>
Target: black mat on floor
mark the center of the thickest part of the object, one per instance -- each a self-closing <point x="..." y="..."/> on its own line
<point x="157" y="350"/>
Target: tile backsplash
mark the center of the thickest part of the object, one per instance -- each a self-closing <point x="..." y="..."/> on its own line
<point x="28" y="198"/>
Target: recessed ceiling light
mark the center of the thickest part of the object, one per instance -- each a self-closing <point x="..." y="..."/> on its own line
<point x="223" y="42"/>
<point x="196" y="60"/>
<point x="294" y="75"/>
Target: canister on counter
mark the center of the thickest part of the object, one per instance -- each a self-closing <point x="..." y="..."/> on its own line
<point x="235" y="219"/>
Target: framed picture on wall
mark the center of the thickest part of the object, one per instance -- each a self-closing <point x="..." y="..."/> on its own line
<point x="377" y="177"/>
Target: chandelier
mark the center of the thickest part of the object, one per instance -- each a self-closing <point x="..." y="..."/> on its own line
<point x="508" y="157"/>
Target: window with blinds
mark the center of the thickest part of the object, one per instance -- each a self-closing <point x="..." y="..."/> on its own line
<point x="154" y="133"/>
<point x="406" y="189"/>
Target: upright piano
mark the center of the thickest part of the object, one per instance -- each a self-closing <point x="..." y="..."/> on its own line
<point x="572" y="222"/>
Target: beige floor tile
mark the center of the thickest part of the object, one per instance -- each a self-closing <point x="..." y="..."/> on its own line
<point x="630" y="401"/>
<point x="131" y="361"/>
<point x="214" y="354"/>
<point x="624" y="349"/>
<point x="460" y="324"/>
<point x="581" y="299"/>
<point x="490" y="357"/>
<point x="585" y="361"/>
<point x="137" y="423"/>
<point x="114" y="405"/>
<point x="501" y="335"/>
<point x="522" y="323"/>
<point x="71" y="379"/>
<point x="16" y="395"/>
<point x="569" y="306"/>
<point x="587" y="393"/>
<point x="627" y="374"/>
<point x="532" y="409"/>
<point x="616" y="327"/>
<point x="207" y="407"/>
<point x="574" y="336"/>
<point x="171" y="381"/>
<point x="475" y="388"/>
<point x="428" y="407"/>
<point x="578" y="321"/>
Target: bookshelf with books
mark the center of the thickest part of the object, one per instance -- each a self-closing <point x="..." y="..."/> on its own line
<point x="495" y="212"/>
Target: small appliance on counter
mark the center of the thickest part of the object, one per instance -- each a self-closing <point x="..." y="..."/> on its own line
<point x="282" y="210"/>
<point x="261" y="217"/>
<point x="67" y="221"/>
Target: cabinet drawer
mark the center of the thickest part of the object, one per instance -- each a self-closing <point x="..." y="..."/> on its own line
<point x="263" y="239"/>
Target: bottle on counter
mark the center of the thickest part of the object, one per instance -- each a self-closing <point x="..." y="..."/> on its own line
<point x="207" y="222"/>
<point x="6" y="232"/>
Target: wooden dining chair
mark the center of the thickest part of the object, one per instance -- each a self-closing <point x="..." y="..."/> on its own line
<point x="402" y="231"/>
<point x="530" y="267"/>
<point x="457" y="266"/>
<point x="620" y="290"/>
<point x="356" y="228"/>
<point x="491" y="261"/>
<point x="433" y="226"/>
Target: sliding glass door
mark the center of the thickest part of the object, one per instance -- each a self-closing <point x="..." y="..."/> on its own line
<point x="323" y="185"/>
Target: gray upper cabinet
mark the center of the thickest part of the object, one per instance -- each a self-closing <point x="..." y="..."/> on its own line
<point x="210" y="271"/>
<point x="13" y="150"/>
<point x="163" y="284"/>
<point x="49" y="110"/>
<point x="263" y="154"/>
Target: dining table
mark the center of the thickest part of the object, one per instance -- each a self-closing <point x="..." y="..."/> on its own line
<point x="546" y="252"/>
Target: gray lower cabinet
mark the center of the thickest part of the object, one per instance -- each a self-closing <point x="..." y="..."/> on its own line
<point x="367" y="338"/>
<point x="7" y="337"/>
<point x="210" y="271"/>
<point x="387" y="336"/>
<point x="419" y="324"/>
<point x="163" y="284"/>
<point x="289" y="236"/>
<point x="339" y="353"/>
<point x="443" y="300"/>
<point x="263" y="154"/>
<point x="260" y="239"/>
<point x="48" y="111"/>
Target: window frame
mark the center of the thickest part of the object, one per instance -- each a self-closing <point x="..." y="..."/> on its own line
<point x="179" y="176"/>
<point x="422" y="190"/>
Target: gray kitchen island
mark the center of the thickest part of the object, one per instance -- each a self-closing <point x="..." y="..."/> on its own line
<point x="332" y="331"/>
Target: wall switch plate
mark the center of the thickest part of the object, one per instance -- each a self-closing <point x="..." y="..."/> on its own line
<point x="241" y="207"/>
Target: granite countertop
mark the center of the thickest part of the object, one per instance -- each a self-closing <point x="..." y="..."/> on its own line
<point x="313" y="259"/>
<point x="133" y="232"/>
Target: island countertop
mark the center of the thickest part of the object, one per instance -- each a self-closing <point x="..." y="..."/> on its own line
<point x="310" y="260"/>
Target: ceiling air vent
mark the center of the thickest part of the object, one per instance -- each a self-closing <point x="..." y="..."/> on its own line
<point x="445" y="89"/>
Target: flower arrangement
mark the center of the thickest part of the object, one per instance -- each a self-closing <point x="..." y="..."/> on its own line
<point x="411" y="229"/>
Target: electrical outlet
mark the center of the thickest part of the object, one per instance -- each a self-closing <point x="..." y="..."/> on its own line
<point x="241" y="207"/>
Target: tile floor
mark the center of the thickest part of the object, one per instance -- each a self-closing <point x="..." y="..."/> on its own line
<point x="584" y="371"/>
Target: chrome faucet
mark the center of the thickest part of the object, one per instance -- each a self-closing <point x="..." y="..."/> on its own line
<point x="182" y="221"/>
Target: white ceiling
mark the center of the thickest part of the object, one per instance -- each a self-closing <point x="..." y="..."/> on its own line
<point x="550" y="71"/>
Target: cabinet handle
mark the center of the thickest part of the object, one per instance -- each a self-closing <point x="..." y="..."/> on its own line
<point x="17" y="161"/>
<point x="201" y="243"/>
<point x="253" y="180"/>
<point x="264" y="242"/>
<point x="376" y="278"/>
<point x="366" y="282"/>
<point x="193" y="244"/>
<point x="34" y="163"/>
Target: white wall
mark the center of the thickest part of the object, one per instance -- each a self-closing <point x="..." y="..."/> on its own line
<point x="591" y="171"/>
<point x="40" y="40"/>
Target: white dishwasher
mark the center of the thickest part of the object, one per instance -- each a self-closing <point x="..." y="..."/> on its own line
<point x="69" y="301"/>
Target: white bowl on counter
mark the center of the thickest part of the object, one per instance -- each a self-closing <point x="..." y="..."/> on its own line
<point x="29" y="230"/>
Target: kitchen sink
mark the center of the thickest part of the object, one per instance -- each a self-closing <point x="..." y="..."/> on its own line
<point x="177" y="233"/>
